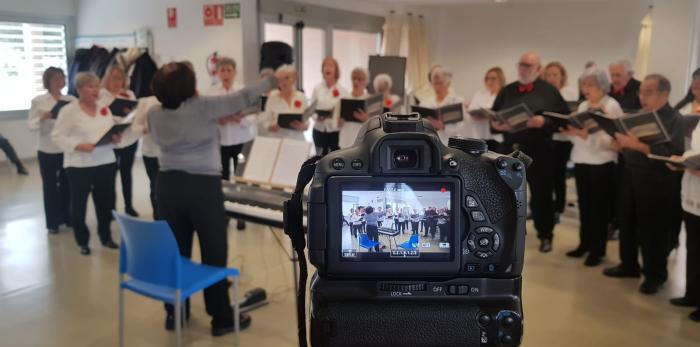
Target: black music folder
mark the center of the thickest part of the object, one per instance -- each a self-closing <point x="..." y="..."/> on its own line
<point x="57" y="108"/>
<point x="284" y="120"/>
<point x="646" y="126"/>
<point x="516" y="116"/>
<point x="372" y="105"/>
<point x="692" y="162"/>
<point x="122" y="107"/>
<point x="578" y="120"/>
<point x="114" y="130"/>
<point x="448" y="114"/>
<point x="482" y="113"/>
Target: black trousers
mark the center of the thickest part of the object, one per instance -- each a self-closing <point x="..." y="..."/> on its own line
<point x="614" y="202"/>
<point x="414" y="227"/>
<point x="10" y="153"/>
<point x="373" y="234"/>
<point x="100" y="181"/>
<point x="444" y="232"/>
<point x="562" y="152"/>
<point x="325" y="142"/>
<point x="195" y="204"/>
<point x="125" y="164"/>
<point x="692" y="270"/>
<point x="152" y="168"/>
<point x="229" y="153"/>
<point x="646" y="219"/>
<point x="540" y="177"/>
<point x="677" y="211"/>
<point x="55" y="188"/>
<point x="594" y="187"/>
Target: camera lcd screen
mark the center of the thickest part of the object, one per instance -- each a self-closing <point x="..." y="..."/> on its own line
<point x="391" y="221"/>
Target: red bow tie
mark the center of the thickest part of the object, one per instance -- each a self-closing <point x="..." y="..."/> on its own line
<point x="526" y="88"/>
<point x="619" y="92"/>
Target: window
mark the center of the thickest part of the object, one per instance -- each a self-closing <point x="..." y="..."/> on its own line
<point x="352" y="49"/>
<point x="313" y="50"/>
<point x="26" y="50"/>
<point x="279" y="32"/>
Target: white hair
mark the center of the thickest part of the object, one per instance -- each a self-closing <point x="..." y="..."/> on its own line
<point x="441" y="72"/>
<point x="600" y="76"/>
<point x="84" y="78"/>
<point x="286" y="68"/>
<point x="381" y="79"/>
<point x="626" y="64"/>
<point x="360" y="70"/>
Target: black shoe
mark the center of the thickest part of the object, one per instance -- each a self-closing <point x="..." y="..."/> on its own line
<point x="131" y="212"/>
<point x="620" y="272"/>
<point x="110" y="244"/>
<point x="684" y="302"/>
<point x="593" y="260"/>
<point x="170" y="321"/>
<point x="240" y="225"/>
<point x="546" y="245"/>
<point x="53" y="231"/>
<point x="84" y="250"/>
<point x="244" y="323"/>
<point x="649" y="288"/>
<point x="577" y="253"/>
<point x="695" y="315"/>
<point x="22" y="171"/>
<point x="613" y="234"/>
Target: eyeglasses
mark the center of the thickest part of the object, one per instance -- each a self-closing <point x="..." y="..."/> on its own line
<point x="525" y="65"/>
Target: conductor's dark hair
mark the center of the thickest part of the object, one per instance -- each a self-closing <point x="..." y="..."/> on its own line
<point x="48" y="75"/>
<point x="173" y="84"/>
<point x="664" y="85"/>
<point x="688" y="97"/>
<point x="369" y="210"/>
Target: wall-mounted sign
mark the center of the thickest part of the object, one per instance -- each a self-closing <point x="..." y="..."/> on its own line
<point x="172" y="17"/>
<point x="213" y="15"/>
<point x="232" y="11"/>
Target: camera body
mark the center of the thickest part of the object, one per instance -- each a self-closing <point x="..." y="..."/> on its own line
<point x="416" y="243"/>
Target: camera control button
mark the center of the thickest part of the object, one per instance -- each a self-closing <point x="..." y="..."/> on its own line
<point x="452" y="163"/>
<point x="507" y="340"/>
<point x="484" y="320"/>
<point x="507" y="322"/>
<point x="452" y="289"/>
<point x="471" y="202"/>
<point x="484" y="230"/>
<point x="484" y="242"/>
<point x="491" y="267"/>
<point x="357" y="164"/>
<point x="472" y="267"/>
<point x="496" y="242"/>
<point x="463" y="290"/>
<point x="501" y="163"/>
<point x="518" y="166"/>
<point x="471" y="245"/>
<point x="478" y="216"/>
<point x="482" y="255"/>
<point x="338" y="164"/>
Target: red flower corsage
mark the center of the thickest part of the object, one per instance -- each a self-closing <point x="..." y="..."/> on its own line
<point x="124" y="94"/>
<point x="297" y="103"/>
<point x="336" y="93"/>
<point x="387" y="102"/>
<point x="104" y="111"/>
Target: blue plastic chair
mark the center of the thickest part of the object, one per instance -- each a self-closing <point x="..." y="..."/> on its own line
<point x="365" y="242"/>
<point x="411" y="244"/>
<point x="150" y="264"/>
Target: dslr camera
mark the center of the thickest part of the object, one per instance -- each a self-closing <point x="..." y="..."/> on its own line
<point x="416" y="243"/>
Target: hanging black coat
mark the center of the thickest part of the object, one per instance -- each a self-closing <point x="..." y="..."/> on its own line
<point x="144" y="70"/>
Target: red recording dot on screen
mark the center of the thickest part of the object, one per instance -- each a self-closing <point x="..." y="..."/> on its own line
<point x="442" y="190"/>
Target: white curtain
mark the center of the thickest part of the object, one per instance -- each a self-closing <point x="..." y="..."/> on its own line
<point x="391" y="39"/>
<point x="644" y="46"/>
<point x="405" y="36"/>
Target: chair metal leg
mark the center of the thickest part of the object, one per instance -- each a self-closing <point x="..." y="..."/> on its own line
<point x="178" y="318"/>
<point x="236" y="309"/>
<point x="121" y="315"/>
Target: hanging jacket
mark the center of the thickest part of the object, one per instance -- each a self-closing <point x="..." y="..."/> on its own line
<point x="144" y="70"/>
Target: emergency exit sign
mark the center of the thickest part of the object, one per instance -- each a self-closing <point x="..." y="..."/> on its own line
<point x="232" y="11"/>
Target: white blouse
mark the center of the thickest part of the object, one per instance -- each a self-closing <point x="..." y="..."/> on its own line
<point x="596" y="150"/>
<point x="327" y="98"/>
<point x="569" y="93"/>
<point x="234" y="133"/>
<point x="276" y="105"/>
<point x="140" y="126"/>
<point x="40" y="105"/>
<point x="453" y="129"/>
<point x="690" y="191"/>
<point x="74" y="127"/>
<point x="481" y="128"/>
<point x="106" y="98"/>
<point x="349" y="131"/>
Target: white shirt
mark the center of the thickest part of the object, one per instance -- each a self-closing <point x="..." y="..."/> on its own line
<point x="234" y="133"/>
<point x="690" y="189"/>
<point x="390" y="102"/>
<point x="40" y="105"/>
<point x="569" y="93"/>
<point x="595" y="150"/>
<point x="106" y="99"/>
<point x="349" y="131"/>
<point x="453" y="129"/>
<point x="327" y="98"/>
<point x="481" y="128"/>
<point x="276" y="105"/>
<point x="74" y="127"/>
<point x="140" y="126"/>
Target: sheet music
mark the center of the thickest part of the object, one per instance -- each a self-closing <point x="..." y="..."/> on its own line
<point x="261" y="159"/>
<point x="292" y="154"/>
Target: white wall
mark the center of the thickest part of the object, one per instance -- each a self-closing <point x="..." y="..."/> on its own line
<point x="469" y="39"/>
<point x="191" y="40"/>
<point x="13" y="124"/>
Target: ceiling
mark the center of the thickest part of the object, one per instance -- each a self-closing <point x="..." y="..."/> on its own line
<point x="466" y="2"/>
